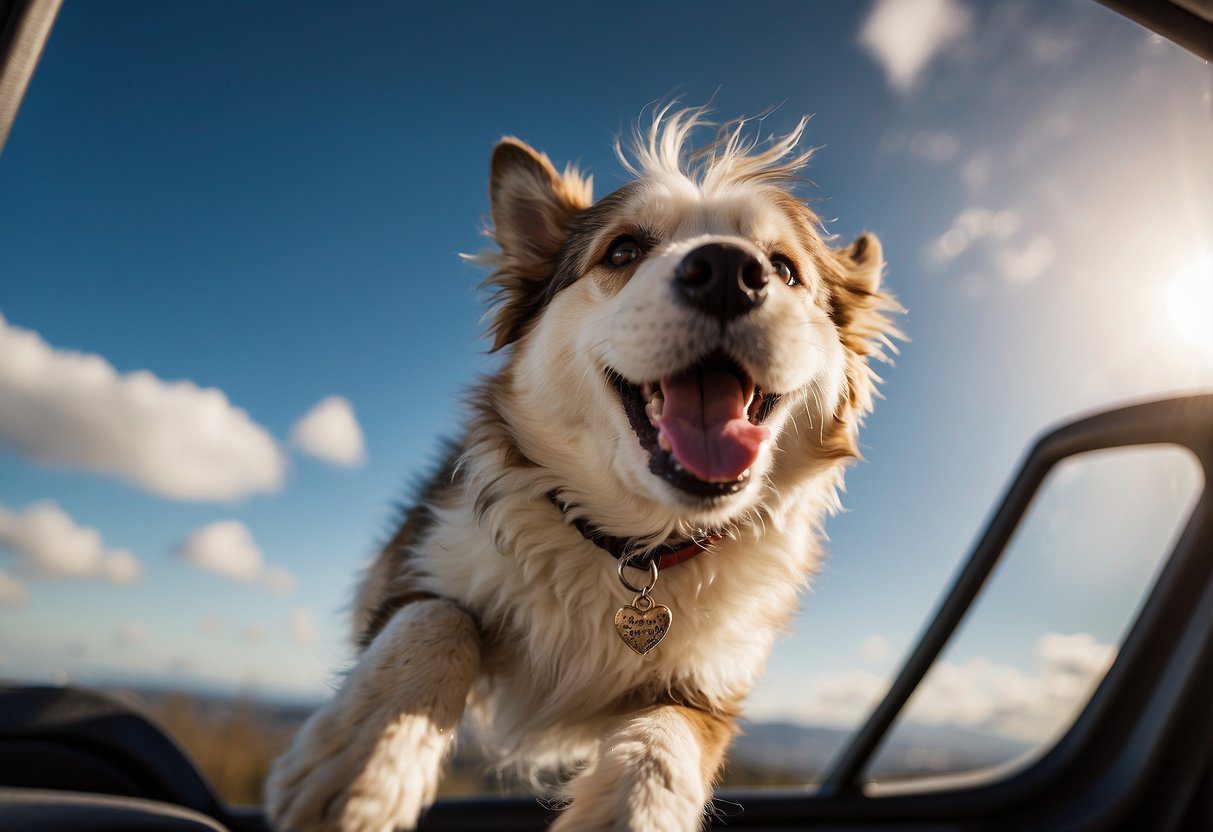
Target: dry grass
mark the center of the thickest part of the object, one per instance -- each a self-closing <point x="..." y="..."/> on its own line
<point x="233" y="742"/>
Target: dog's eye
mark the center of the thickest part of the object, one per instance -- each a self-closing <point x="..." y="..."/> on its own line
<point x="785" y="269"/>
<point x="623" y="251"/>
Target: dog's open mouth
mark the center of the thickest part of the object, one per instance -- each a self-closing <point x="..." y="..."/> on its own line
<point x="702" y="427"/>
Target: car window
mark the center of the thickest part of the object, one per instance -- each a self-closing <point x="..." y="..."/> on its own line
<point x="230" y="240"/>
<point x="1048" y="624"/>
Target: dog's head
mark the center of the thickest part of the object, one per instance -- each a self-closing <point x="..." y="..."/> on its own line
<point x="688" y="347"/>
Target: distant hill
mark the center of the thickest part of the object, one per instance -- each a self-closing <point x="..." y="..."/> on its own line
<point x="912" y="749"/>
<point x="233" y="740"/>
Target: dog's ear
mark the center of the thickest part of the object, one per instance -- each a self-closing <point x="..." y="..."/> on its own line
<point x="533" y="205"/>
<point x="856" y="303"/>
<point x="863" y="314"/>
<point x="862" y="262"/>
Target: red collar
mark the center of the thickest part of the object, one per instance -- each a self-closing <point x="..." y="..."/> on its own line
<point x="667" y="554"/>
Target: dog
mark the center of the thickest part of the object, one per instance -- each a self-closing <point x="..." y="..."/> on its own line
<point x="599" y="570"/>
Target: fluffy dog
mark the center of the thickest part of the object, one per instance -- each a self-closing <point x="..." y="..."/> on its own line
<point x="601" y="567"/>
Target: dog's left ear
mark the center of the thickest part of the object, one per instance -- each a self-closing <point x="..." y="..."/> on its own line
<point x="862" y="263"/>
<point x="863" y="313"/>
<point x="856" y="302"/>
<point x="533" y="205"/>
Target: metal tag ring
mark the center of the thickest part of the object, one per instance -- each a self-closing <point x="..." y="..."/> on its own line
<point x="652" y="575"/>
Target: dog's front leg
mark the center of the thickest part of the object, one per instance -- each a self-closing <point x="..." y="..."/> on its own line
<point x="370" y="759"/>
<point x="654" y="772"/>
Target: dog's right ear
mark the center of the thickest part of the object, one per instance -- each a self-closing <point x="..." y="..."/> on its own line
<point x="532" y="203"/>
<point x="532" y="206"/>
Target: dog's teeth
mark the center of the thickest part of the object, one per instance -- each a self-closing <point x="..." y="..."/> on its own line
<point x="655" y="406"/>
<point x="663" y="442"/>
<point x="679" y="468"/>
<point x="744" y="474"/>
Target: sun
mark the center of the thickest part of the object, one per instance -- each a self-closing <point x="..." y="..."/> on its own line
<point x="1190" y="303"/>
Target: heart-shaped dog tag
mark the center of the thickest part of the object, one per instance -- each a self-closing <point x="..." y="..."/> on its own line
<point x="643" y="627"/>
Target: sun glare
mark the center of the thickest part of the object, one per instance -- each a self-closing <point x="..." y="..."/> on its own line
<point x="1190" y="303"/>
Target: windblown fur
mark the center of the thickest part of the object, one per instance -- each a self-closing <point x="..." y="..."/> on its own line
<point x="553" y="687"/>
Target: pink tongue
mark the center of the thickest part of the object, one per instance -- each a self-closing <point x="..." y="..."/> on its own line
<point x="704" y="419"/>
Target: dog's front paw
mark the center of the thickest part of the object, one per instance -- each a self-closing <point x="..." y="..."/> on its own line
<point x="653" y="772"/>
<point x="357" y="780"/>
<point x="663" y="809"/>
<point x="370" y="760"/>
<point x="634" y="795"/>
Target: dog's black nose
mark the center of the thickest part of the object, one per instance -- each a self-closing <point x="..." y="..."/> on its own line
<point x="721" y="279"/>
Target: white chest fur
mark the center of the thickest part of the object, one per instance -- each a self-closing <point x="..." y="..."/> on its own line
<point x="556" y="669"/>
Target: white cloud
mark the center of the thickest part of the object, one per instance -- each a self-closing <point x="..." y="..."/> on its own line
<point x="980" y="694"/>
<point x="302" y="625"/>
<point x="874" y="648"/>
<point x="1042" y="136"/>
<point x="904" y="36"/>
<point x="1022" y="263"/>
<point x="842" y="699"/>
<point x="210" y="626"/>
<point x="977" y="169"/>
<point x="226" y="548"/>
<point x="174" y="439"/>
<point x="936" y="147"/>
<point x="972" y="225"/>
<point x="130" y="634"/>
<point x="252" y="632"/>
<point x="12" y="592"/>
<point x="279" y="581"/>
<point x="1077" y="655"/>
<point x="1047" y="47"/>
<point x="1015" y="258"/>
<point x="121" y="567"/>
<point x="50" y="544"/>
<point x="973" y="285"/>
<point x="1006" y="700"/>
<point x="330" y="432"/>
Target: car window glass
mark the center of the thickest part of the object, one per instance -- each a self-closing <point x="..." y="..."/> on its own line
<point x="1047" y="626"/>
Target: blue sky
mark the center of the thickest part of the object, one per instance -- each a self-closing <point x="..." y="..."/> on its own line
<point x="270" y="200"/>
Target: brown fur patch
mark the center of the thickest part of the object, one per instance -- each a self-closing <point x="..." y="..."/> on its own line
<point x="489" y="435"/>
<point x="533" y="207"/>
<point x="713" y="722"/>
<point x="861" y="312"/>
<point x="714" y="734"/>
<point x="804" y="221"/>
<point x="391" y="582"/>
<point x="850" y="277"/>
<point x="656" y="693"/>
<point x="581" y="249"/>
